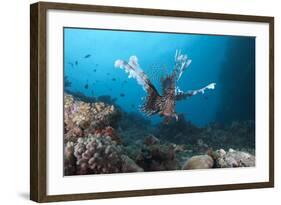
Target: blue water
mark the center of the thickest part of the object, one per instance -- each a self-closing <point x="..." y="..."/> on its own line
<point x="228" y="61"/>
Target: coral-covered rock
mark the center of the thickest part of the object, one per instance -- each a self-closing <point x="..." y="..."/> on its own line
<point x="180" y="131"/>
<point x="155" y="156"/>
<point x="232" y="158"/>
<point x="238" y="134"/>
<point x="97" y="155"/>
<point x="129" y="165"/>
<point x="199" y="162"/>
<point x="151" y="140"/>
<point x="109" y="132"/>
<point x="81" y="118"/>
<point x="179" y="148"/>
<point x="69" y="159"/>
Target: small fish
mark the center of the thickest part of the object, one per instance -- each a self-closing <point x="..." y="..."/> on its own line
<point x="86" y="86"/>
<point x="122" y="95"/>
<point x="97" y="65"/>
<point x="87" y="56"/>
<point x="107" y="73"/>
<point x="95" y="70"/>
<point x="113" y="79"/>
<point x="76" y="63"/>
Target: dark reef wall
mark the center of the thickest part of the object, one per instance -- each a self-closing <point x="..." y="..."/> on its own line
<point x="237" y="81"/>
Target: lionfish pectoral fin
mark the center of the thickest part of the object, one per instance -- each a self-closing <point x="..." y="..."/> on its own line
<point x="151" y="105"/>
<point x="184" y="95"/>
<point x="152" y="101"/>
<point x="176" y="117"/>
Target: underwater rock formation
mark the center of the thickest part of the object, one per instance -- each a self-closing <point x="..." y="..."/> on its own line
<point x="156" y="156"/>
<point x="199" y="162"/>
<point x="129" y="165"/>
<point x="97" y="154"/>
<point x="132" y="132"/>
<point x="81" y="118"/>
<point x="181" y="131"/>
<point x="69" y="159"/>
<point x="109" y="132"/>
<point x="79" y="96"/>
<point x="232" y="158"/>
<point x="100" y="138"/>
<point x="231" y="77"/>
<point x="107" y="99"/>
<point x="237" y="135"/>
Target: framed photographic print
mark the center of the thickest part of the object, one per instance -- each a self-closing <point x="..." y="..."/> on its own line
<point x="134" y="102"/>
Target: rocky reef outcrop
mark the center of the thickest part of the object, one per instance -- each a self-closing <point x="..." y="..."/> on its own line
<point x="154" y="155"/>
<point x="92" y="145"/>
<point x="199" y="162"/>
<point x="82" y="118"/>
<point x="237" y="135"/>
<point x="101" y="138"/>
<point x="97" y="154"/>
<point x="232" y="158"/>
<point x="220" y="159"/>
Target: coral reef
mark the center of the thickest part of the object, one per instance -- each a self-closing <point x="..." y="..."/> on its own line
<point x="221" y="159"/>
<point x="97" y="154"/>
<point x="134" y="127"/>
<point x="69" y="159"/>
<point x="107" y="99"/>
<point x="232" y="158"/>
<point x="81" y="118"/>
<point x="79" y="96"/>
<point x="237" y="135"/>
<point x="129" y="165"/>
<point x="101" y="138"/>
<point x="156" y="156"/>
<point x="182" y="131"/>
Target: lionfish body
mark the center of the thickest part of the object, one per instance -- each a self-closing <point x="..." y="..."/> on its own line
<point x="161" y="104"/>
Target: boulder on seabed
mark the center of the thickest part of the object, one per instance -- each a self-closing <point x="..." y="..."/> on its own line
<point x="199" y="162"/>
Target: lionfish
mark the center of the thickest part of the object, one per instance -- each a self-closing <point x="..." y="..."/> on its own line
<point x="162" y="104"/>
